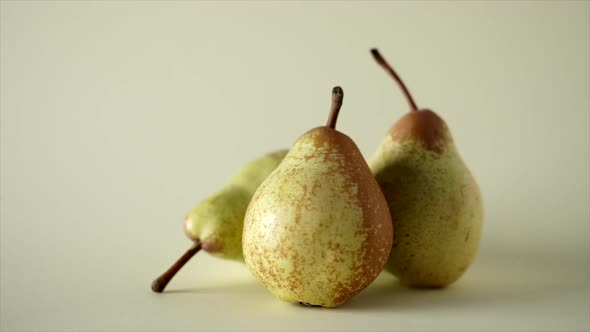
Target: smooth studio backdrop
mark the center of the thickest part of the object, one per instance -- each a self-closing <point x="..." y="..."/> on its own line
<point x="118" y="116"/>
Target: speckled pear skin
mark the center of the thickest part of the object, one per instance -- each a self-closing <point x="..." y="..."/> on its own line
<point x="435" y="203"/>
<point x="318" y="230"/>
<point x="218" y="220"/>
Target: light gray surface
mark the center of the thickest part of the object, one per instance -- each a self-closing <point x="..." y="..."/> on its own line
<point x="116" y="117"/>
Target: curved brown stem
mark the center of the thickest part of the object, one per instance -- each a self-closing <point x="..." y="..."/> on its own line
<point x="160" y="283"/>
<point x="337" y="97"/>
<point x="381" y="61"/>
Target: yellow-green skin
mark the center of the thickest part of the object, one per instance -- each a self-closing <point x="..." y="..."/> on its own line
<point x="218" y="220"/>
<point x="435" y="203"/>
<point x="318" y="229"/>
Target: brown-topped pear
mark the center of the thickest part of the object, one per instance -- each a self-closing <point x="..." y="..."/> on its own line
<point x="435" y="203"/>
<point x="318" y="230"/>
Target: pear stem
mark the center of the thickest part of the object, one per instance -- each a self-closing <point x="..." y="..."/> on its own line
<point x="160" y="283"/>
<point x="337" y="96"/>
<point x="381" y="61"/>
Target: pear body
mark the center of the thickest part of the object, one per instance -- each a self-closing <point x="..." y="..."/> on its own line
<point x="217" y="221"/>
<point x="435" y="203"/>
<point x="318" y="229"/>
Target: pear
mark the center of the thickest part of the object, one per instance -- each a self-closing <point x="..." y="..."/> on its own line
<point x="215" y="224"/>
<point x="435" y="203"/>
<point x="318" y="229"/>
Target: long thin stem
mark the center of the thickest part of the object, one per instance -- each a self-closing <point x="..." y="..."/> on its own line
<point x="160" y="283"/>
<point x="337" y="97"/>
<point x="381" y="61"/>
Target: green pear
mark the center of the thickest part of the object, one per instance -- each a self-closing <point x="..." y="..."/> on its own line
<point x="215" y="224"/>
<point x="318" y="229"/>
<point x="435" y="203"/>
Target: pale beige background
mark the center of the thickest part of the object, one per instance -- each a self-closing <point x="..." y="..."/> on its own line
<point x="116" y="117"/>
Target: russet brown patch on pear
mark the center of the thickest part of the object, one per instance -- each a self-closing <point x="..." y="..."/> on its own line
<point x="368" y="198"/>
<point x="424" y="126"/>
<point x="212" y="246"/>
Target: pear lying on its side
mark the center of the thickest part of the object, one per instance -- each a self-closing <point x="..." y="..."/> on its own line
<point x="318" y="230"/>
<point x="215" y="224"/>
<point x="435" y="203"/>
<point x="217" y="221"/>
